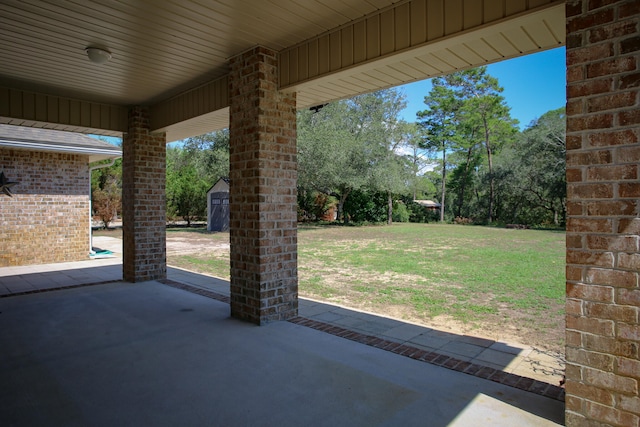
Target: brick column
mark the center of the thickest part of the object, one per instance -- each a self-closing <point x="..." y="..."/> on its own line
<point x="603" y="257"/>
<point x="263" y="227"/>
<point x="143" y="200"/>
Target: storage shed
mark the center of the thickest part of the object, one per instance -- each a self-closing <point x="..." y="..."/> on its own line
<point x="218" y="206"/>
<point x="430" y="205"/>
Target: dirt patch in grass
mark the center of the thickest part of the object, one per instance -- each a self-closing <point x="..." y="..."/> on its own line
<point x="448" y="307"/>
<point x="191" y="243"/>
<point x="183" y="240"/>
<point x="505" y="285"/>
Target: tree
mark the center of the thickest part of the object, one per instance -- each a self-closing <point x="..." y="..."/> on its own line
<point x="486" y="115"/>
<point x="209" y="154"/>
<point x="390" y="168"/>
<point x="329" y="158"/>
<point x="419" y="161"/>
<point x="107" y="201"/>
<point x="106" y="190"/>
<point x="392" y="176"/>
<point x="186" y="189"/>
<point x="439" y="123"/>
<point x="192" y="169"/>
<point x="533" y="170"/>
<point x="347" y="145"/>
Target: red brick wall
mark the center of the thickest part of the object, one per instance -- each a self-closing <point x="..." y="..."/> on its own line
<point x="143" y="200"/>
<point x="603" y="246"/>
<point x="263" y="174"/>
<point x="47" y="219"/>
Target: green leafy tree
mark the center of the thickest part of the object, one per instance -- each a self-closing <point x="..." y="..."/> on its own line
<point x="419" y="162"/>
<point x="391" y="170"/>
<point x="366" y="206"/>
<point x="350" y="145"/>
<point x="329" y="158"/>
<point x="439" y="123"/>
<point x="467" y="162"/>
<point x="532" y="172"/>
<point x="545" y="146"/>
<point x="485" y="116"/>
<point x="209" y="154"/>
<point x="192" y="169"/>
<point x="186" y="189"/>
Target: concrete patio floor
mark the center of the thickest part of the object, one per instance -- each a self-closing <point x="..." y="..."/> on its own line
<point x="150" y="354"/>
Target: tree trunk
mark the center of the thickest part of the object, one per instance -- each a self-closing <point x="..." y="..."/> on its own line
<point x="340" y="214"/>
<point x="487" y="144"/>
<point x="463" y="186"/>
<point x="444" y="180"/>
<point x="389" y="208"/>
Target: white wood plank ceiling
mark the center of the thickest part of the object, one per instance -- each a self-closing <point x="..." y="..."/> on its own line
<point x="412" y="42"/>
<point x="167" y="53"/>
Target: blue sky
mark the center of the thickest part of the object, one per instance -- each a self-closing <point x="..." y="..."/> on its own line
<point x="533" y="85"/>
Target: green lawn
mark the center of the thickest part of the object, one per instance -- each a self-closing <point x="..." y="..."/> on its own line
<point x="493" y="282"/>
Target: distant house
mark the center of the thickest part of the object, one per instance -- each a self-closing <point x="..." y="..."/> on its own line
<point x="218" y="206"/>
<point x="430" y="205"/>
<point x="45" y="194"/>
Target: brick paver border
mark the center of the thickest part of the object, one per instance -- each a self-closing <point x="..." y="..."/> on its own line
<point x="474" y="369"/>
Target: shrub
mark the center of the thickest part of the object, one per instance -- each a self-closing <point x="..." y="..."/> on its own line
<point x="106" y="203"/>
<point x="462" y="220"/>
<point x="400" y="212"/>
<point x="366" y="207"/>
<point x="417" y="213"/>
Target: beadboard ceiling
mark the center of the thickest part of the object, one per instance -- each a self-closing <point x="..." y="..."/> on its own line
<point x="163" y="48"/>
<point x="159" y="47"/>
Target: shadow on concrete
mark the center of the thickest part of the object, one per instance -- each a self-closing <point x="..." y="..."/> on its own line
<point x="149" y="354"/>
<point x="35" y="279"/>
<point x="525" y="367"/>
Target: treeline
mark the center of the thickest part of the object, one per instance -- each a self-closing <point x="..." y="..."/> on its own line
<point x="191" y="170"/>
<point x="487" y="169"/>
<point x="465" y="151"/>
<point x="359" y="162"/>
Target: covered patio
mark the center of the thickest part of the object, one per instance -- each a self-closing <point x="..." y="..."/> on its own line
<point x="155" y="72"/>
<point x="81" y="347"/>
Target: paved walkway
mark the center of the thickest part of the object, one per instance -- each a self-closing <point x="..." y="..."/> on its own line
<point x="468" y="353"/>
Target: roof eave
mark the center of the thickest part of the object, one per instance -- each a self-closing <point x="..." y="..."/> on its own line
<point x="95" y="154"/>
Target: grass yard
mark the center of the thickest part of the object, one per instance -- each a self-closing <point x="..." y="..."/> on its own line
<point x="491" y="282"/>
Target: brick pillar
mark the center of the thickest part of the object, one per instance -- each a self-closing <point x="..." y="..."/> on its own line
<point x="143" y="200"/>
<point x="263" y="227"/>
<point x="603" y="187"/>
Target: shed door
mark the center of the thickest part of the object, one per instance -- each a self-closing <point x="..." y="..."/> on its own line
<point x="219" y="213"/>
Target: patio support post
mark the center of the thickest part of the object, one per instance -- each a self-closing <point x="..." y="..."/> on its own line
<point x="603" y="209"/>
<point x="263" y="195"/>
<point x="143" y="200"/>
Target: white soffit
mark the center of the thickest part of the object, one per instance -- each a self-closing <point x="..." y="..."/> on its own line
<point x="509" y="38"/>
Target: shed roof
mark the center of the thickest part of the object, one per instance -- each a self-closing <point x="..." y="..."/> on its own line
<point x="428" y="203"/>
<point x="38" y="139"/>
<point x="221" y="185"/>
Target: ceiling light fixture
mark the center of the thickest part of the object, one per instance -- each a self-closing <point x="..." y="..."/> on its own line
<point x="97" y="55"/>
